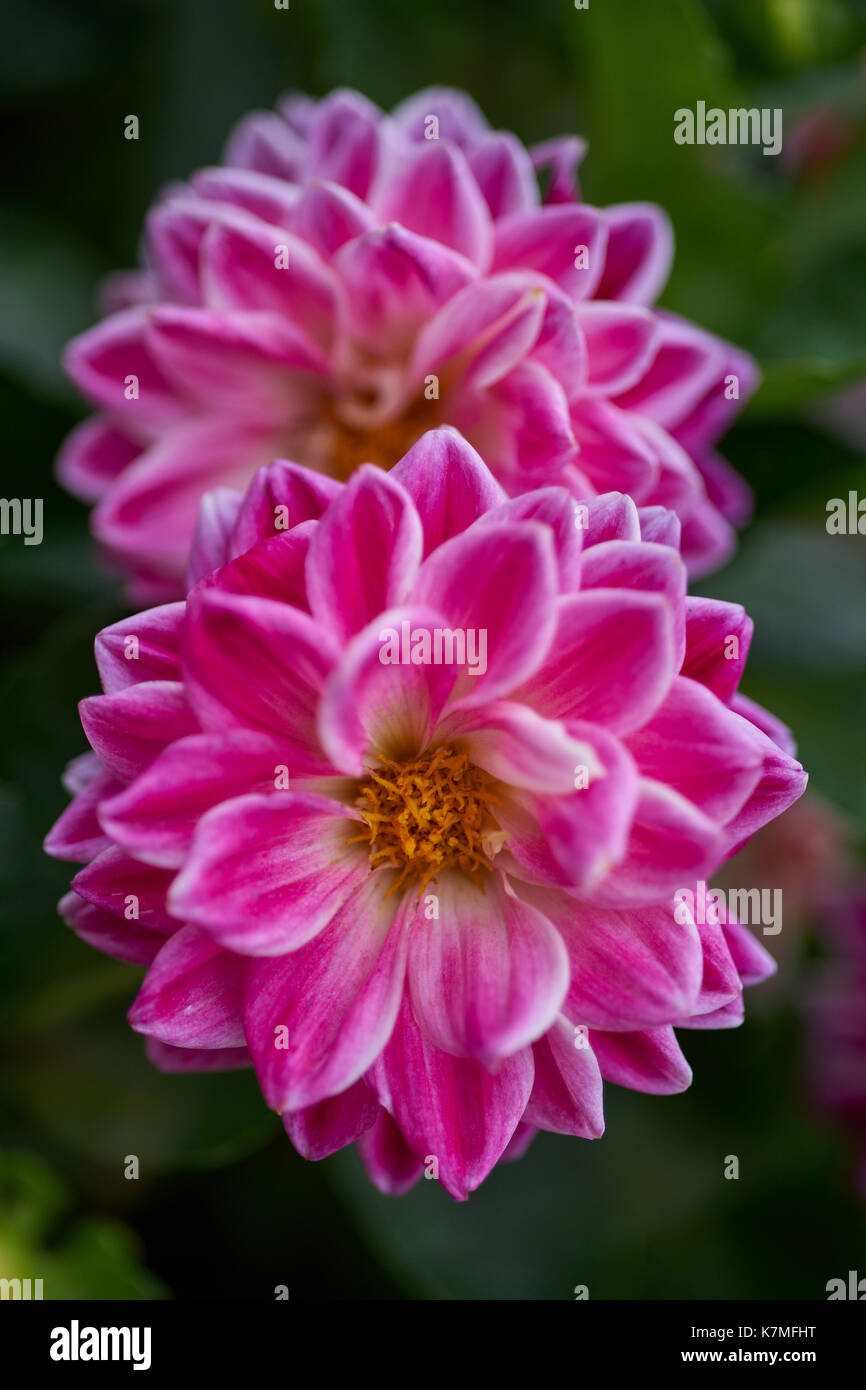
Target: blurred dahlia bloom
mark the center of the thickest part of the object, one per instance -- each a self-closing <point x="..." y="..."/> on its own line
<point x="348" y="279"/>
<point x="431" y="900"/>
<point x="804" y="855"/>
<point x="836" y="1058"/>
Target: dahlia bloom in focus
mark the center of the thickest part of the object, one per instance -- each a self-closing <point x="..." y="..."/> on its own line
<point x="430" y="898"/>
<point x="347" y="280"/>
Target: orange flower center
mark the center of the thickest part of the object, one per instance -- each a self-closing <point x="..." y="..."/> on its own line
<point x="430" y="814"/>
<point x="383" y="444"/>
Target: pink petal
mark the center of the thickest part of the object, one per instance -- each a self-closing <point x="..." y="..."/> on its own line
<point x="632" y="969"/>
<point x="660" y="526"/>
<point x="265" y="142"/>
<point x="150" y="514"/>
<point x="174" y="231"/>
<point x="554" y="507"/>
<point x="612" y="517"/>
<point x="640" y="250"/>
<point x="765" y="721"/>
<point x="449" y="484"/>
<point x="647" y="567"/>
<point x="611" y="660"/>
<point x="327" y="216"/>
<point x="433" y="192"/>
<point x="556" y="241"/>
<point x="77" y="834"/>
<point x="390" y="1163"/>
<point x="132" y="891"/>
<point x="303" y="493"/>
<point x="621" y="342"/>
<point x="320" y="1130"/>
<point x="560" y="157"/>
<point x="708" y="541"/>
<point x="459" y="118"/>
<point x="371" y="706"/>
<point x="725" y="488"/>
<point x="502" y="580"/>
<point x="721" y="983"/>
<point x="265" y="873"/>
<point x="210" y="543"/>
<point x="242" y="268"/>
<point x="753" y="963"/>
<point x="684" y="369"/>
<point x="679" y="484"/>
<point x="712" y="416"/>
<point x="612" y="452"/>
<point x="488" y="975"/>
<point x="671" y="841"/>
<point x="254" y="663"/>
<point x="298" y="110"/>
<point x="337" y="996"/>
<point x="394" y="281"/>
<point x="649" y="1061"/>
<point x="344" y="140"/>
<point x="267" y="197"/>
<point x="518" y="746"/>
<point x="114" y="936"/>
<point x="729" y="1015"/>
<point x="588" y="830"/>
<point x="561" y="345"/>
<point x="273" y="568"/>
<point x="712" y="658"/>
<point x="518" y="1143"/>
<point x="236" y="360"/>
<point x="191" y="995"/>
<point x="504" y="173"/>
<point x="92" y="456"/>
<point x="100" y="362"/>
<point x="567" y="1091"/>
<point x="782" y="781"/>
<point x="80" y="772"/>
<point x="481" y="332"/>
<point x="145" y="647"/>
<point x="696" y="745"/>
<point x="451" y="1108"/>
<point x="128" y="729"/>
<point x="127" y="289"/>
<point x="155" y="816"/>
<point x="522" y="425"/>
<point x="364" y="553"/>
<point x="628" y="565"/>
<point x="193" y="1059"/>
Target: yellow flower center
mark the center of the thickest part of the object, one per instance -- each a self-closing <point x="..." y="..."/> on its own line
<point x="430" y="814"/>
<point x="383" y="444"/>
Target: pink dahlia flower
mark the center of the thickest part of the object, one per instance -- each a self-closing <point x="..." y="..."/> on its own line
<point x="428" y="891"/>
<point x="837" y="1054"/>
<point x="348" y="279"/>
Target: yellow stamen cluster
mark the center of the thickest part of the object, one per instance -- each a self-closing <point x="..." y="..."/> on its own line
<point x="427" y="815"/>
<point x="383" y="444"/>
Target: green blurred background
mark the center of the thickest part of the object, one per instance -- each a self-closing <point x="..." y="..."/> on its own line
<point x="770" y="252"/>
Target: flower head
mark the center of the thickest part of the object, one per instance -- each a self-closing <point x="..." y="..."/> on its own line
<point x="347" y="280"/>
<point x="401" y="796"/>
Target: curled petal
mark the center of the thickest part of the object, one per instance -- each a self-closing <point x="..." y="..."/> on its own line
<point x="567" y="1091"/>
<point x="321" y="1129"/>
<point x="649" y="1060"/>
